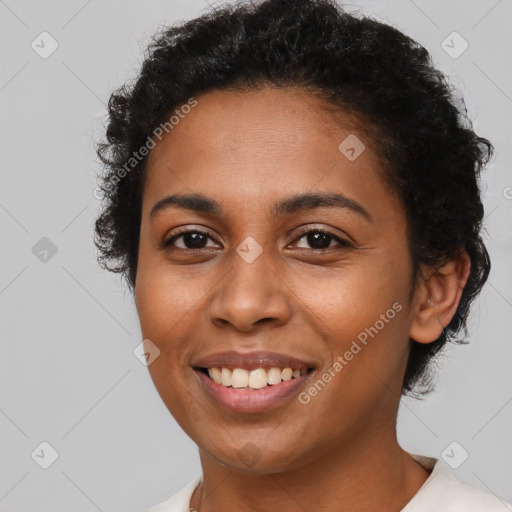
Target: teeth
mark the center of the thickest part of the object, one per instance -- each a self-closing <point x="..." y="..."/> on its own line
<point x="226" y="377"/>
<point x="240" y="378"/>
<point x="287" y="374"/>
<point x="215" y="374"/>
<point x="254" y="379"/>
<point x="258" y="378"/>
<point x="274" y="376"/>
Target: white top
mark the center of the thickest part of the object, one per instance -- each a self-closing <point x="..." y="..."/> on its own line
<point x="441" y="492"/>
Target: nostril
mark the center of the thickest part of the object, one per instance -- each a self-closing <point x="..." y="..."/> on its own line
<point x="262" y="320"/>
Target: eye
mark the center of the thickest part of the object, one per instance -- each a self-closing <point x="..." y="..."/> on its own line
<point x="191" y="239"/>
<point x="319" y="239"/>
<point x="196" y="239"/>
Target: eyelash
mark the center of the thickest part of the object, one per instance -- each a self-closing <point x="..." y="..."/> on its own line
<point x="166" y="244"/>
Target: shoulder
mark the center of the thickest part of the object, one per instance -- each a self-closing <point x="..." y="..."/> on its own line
<point x="180" y="501"/>
<point x="444" y="491"/>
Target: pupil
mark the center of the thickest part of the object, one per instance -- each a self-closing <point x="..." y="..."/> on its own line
<point x="194" y="240"/>
<point x="315" y="240"/>
<point x="318" y="240"/>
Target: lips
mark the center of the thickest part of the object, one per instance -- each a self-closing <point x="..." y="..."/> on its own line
<point x="249" y="388"/>
<point x="251" y="361"/>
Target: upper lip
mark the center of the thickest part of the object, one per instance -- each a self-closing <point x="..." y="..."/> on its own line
<point x="251" y="360"/>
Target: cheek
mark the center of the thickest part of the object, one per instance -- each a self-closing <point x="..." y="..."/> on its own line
<point x="364" y="310"/>
<point x="166" y="317"/>
<point x="165" y="300"/>
<point x="367" y="351"/>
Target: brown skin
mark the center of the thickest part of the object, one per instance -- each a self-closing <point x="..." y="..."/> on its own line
<point x="248" y="150"/>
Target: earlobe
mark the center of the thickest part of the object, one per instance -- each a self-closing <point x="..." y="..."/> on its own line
<point x="437" y="298"/>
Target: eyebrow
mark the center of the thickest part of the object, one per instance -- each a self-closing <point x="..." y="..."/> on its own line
<point x="200" y="203"/>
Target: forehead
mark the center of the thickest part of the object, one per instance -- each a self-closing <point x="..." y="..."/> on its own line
<point x="270" y="122"/>
<point x="249" y="146"/>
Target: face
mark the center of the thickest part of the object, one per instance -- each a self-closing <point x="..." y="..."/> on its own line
<point x="254" y="275"/>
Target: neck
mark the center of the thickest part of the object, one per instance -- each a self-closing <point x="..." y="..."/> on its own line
<point x="371" y="473"/>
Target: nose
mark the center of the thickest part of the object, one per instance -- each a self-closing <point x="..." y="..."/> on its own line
<point x="251" y="294"/>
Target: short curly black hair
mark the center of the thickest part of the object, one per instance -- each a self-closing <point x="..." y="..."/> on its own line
<point x="357" y="65"/>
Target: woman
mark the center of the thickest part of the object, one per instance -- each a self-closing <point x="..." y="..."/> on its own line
<point x="292" y="195"/>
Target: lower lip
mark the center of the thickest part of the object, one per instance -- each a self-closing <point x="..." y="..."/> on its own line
<point x="257" y="400"/>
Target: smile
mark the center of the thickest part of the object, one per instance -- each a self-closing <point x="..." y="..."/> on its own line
<point x="258" y="378"/>
<point x="252" y="381"/>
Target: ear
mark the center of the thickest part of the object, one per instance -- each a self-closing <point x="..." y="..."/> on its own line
<point x="437" y="297"/>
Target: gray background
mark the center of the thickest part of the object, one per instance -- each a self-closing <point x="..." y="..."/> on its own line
<point x="68" y="329"/>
